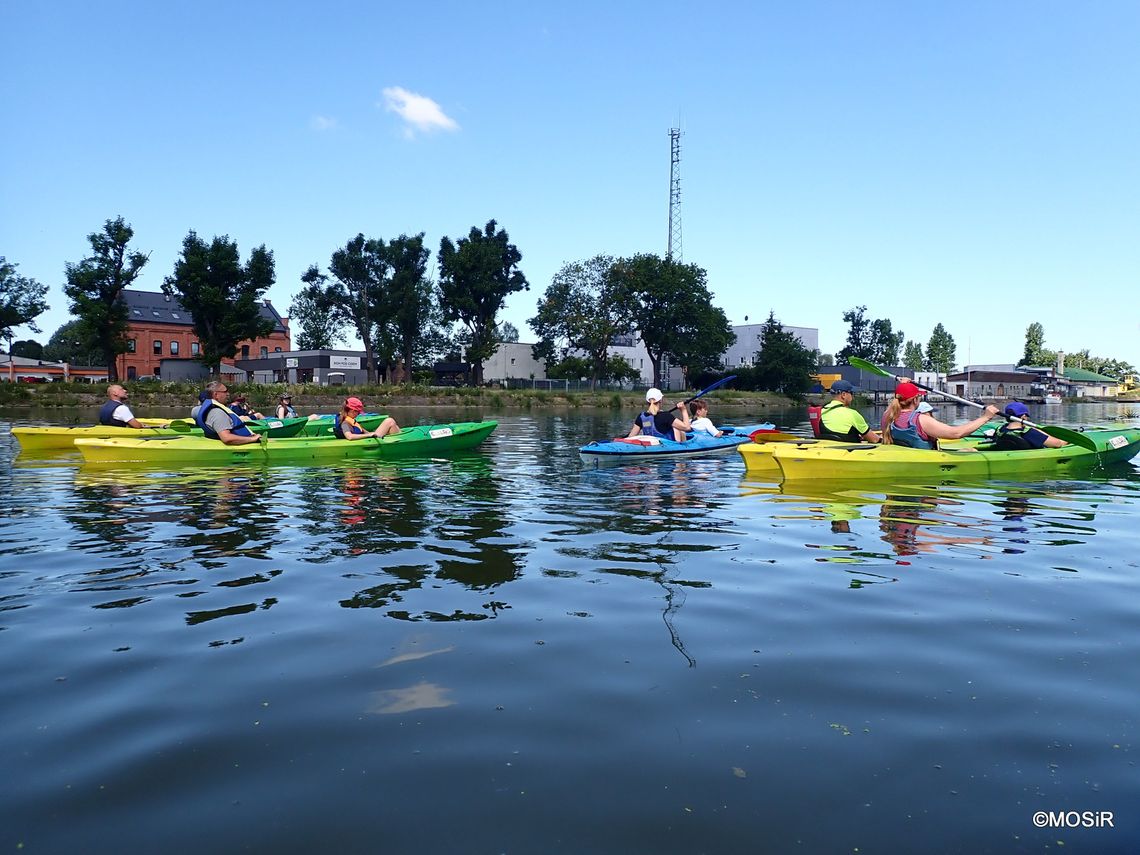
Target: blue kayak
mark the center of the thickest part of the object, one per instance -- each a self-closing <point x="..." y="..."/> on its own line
<point x="651" y="447"/>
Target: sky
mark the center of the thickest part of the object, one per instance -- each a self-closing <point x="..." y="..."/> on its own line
<point x="974" y="164"/>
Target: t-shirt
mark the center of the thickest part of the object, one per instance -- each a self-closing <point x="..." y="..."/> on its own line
<point x="704" y="423"/>
<point x="663" y="422"/>
<point x="122" y="413"/>
<point x="839" y="418"/>
<point x="219" y="420"/>
<point x="1036" y="438"/>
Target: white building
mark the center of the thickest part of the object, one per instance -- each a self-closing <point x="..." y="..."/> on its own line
<point x="743" y="351"/>
<point x="514" y="360"/>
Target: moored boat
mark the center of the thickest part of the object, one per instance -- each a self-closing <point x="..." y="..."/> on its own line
<point x="649" y="447"/>
<point x="827" y="460"/>
<point x="418" y="441"/>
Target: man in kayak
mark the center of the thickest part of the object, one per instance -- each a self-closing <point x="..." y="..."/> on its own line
<point x="219" y="422"/>
<point x="908" y="420"/>
<point x="115" y="412"/>
<point x="1015" y="435"/>
<point x="662" y="425"/>
<point x="840" y="421"/>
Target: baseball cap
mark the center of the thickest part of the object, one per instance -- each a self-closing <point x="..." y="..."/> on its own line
<point x="654" y="395"/>
<point x="354" y="404"/>
<point x="1016" y="409"/>
<point x="908" y="390"/>
<point x="286" y="397"/>
<point x="841" y="386"/>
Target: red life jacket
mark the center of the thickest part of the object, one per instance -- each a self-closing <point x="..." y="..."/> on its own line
<point x="813" y="419"/>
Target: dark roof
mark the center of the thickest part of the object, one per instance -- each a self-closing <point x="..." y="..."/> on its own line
<point x="156" y="308"/>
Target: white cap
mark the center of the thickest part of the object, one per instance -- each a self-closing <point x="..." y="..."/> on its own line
<point x="654" y="395"/>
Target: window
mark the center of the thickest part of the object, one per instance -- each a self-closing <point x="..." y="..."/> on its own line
<point x="138" y="312"/>
<point x="174" y="348"/>
<point x="131" y="372"/>
<point x="157" y="347"/>
<point x="156" y="314"/>
<point x="194" y="348"/>
<point x="276" y="350"/>
<point x="245" y="351"/>
<point x="264" y="352"/>
<point x="130" y="345"/>
<point x="175" y="316"/>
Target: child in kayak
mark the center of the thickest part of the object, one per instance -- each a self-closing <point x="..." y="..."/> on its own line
<point x="701" y="421"/>
<point x="345" y="426"/>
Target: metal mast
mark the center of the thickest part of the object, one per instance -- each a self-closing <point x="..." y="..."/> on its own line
<point x="674" y="252"/>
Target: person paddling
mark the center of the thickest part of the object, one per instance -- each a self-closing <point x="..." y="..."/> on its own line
<point x="908" y="420"/>
<point x="840" y="421"/>
<point x="1015" y="435"/>
<point x="115" y="412"/>
<point x="345" y="426"/>
<point x="653" y="422"/>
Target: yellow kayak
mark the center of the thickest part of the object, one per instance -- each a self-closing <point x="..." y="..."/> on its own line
<point x="51" y="437"/>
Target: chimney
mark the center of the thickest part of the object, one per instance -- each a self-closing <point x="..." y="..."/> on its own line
<point x="1060" y="363"/>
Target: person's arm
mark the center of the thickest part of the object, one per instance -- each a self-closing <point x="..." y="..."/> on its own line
<point x="346" y="427"/>
<point x="865" y="432"/>
<point x="634" y="431"/>
<point x="228" y="437"/>
<point x="1048" y="441"/>
<point x="936" y="429"/>
<point x="682" y="422"/>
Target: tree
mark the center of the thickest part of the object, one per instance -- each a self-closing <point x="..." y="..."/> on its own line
<point x="940" y="351"/>
<point x="581" y="312"/>
<point x="1034" y="346"/>
<point x="858" y="336"/>
<point x="95" y="286"/>
<point x="413" y="313"/>
<point x="507" y="332"/>
<point x="912" y="356"/>
<point x="825" y="359"/>
<point x="885" y="343"/>
<point x="222" y="295"/>
<point x="21" y="301"/>
<point x="783" y="364"/>
<point x="28" y="348"/>
<point x="313" y="314"/>
<point x="672" y="311"/>
<point x="70" y="343"/>
<point x="476" y="274"/>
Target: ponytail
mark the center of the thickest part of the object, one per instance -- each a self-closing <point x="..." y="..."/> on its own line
<point x="895" y="407"/>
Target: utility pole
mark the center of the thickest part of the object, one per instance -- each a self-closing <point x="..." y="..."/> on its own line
<point x="674" y="249"/>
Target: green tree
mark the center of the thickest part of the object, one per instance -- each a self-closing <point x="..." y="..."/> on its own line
<point x="825" y="359"/>
<point x="672" y="311"/>
<point x="222" y="295"/>
<point x="859" y="342"/>
<point x="411" y="306"/>
<point x="21" y="301"/>
<point x="95" y="286"/>
<point x="885" y="343"/>
<point x="359" y="273"/>
<point x="313" y="314"/>
<point x="28" y="349"/>
<point x="912" y="356"/>
<point x="941" y="352"/>
<point x="783" y="364"/>
<point x="70" y="343"/>
<point x="1034" y="346"/>
<point x="476" y="274"/>
<point x="582" y="312"/>
<point x="506" y="331"/>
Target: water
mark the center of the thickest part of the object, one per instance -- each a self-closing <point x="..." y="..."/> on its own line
<point x="511" y="652"/>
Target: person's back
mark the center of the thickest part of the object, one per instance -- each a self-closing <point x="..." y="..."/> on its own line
<point x="839" y="421"/>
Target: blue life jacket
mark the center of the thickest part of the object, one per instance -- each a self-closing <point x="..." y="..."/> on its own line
<point x="908" y="435"/>
<point x="107" y="415"/>
<point x="237" y="425"/>
<point x="338" y="427"/>
<point x="649" y="426"/>
<point x="290" y="413"/>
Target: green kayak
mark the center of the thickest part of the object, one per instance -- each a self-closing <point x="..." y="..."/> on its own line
<point x="419" y="441"/>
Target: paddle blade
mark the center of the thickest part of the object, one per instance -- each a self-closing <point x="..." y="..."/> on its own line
<point x="864" y="365"/>
<point x="1073" y="437"/>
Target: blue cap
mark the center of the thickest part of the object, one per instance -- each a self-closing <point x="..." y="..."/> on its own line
<point x="1016" y="409"/>
<point x="841" y="386"/>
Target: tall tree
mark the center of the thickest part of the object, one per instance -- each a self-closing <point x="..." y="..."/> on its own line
<point x="912" y="356"/>
<point x="410" y="293"/>
<point x="70" y="343"/>
<point x="476" y="274"/>
<point x="359" y="273"/>
<point x="580" y="311"/>
<point x="885" y="343"/>
<point x="21" y="301"/>
<point x="222" y="295"/>
<point x="313" y="314"/>
<point x="28" y="348"/>
<point x="672" y="310"/>
<point x="783" y="364"/>
<point x="1034" y="345"/>
<point x="858" y="336"/>
<point x="95" y="286"/>
<point x="941" y="352"/>
<point x="507" y="332"/>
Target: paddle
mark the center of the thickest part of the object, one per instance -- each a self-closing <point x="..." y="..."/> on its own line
<point x="1071" y="436"/>
<point x="705" y="391"/>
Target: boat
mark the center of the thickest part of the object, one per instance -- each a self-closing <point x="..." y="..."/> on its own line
<point x="419" y="441"/>
<point x="59" y="438"/>
<point x="699" y="444"/>
<point x="803" y="459"/>
<point x="1053" y="398"/>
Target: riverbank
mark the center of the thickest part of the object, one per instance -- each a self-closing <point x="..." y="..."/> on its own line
<point x="322" y="399"/>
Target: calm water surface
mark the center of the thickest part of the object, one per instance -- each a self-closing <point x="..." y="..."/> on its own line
<point x="510" y="652"/>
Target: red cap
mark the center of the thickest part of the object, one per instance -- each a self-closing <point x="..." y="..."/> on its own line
<point x="354" y="404"/>
<point x="906" y="391"/>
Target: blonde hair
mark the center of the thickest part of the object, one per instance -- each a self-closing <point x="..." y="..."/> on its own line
<point x="896" y="406"/>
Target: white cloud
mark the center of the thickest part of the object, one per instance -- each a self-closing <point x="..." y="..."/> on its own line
<point x="419" y="112"/>
<point x="323" y="123"/>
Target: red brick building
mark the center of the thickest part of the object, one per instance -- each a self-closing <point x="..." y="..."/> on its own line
<point x="160" y="328"/>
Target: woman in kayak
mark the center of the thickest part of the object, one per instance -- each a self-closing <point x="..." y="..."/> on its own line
<point x="285" y="407"/>
<point x="345" y="426"/>
<point x="908" y="421"/>
<point x="662" y="425"/>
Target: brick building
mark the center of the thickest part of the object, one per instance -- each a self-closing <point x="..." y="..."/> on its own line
<point x="160" y="328"/>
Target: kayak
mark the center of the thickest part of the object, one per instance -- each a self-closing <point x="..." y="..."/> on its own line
<point x="821" y="459"/>
<point x="51" y="437"/>
<point x="420" y="441"/>
<point x="650" y="447"/>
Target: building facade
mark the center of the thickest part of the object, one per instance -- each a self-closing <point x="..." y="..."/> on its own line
<point x="743" y="351"/>
<point x="159" y="329"/>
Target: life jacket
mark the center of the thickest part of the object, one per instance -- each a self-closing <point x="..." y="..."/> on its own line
<point x="908" y="433"/>
<point x="290" y="413"/>
<point x="107" y="414"/>
<point x="824" y="432"/>
<point x="813" y="419"/>
<point x="649" y="425"/>
<point x="1009" y="439"/>
<point x="237" y="425"/>
<point x="338" y="427"/>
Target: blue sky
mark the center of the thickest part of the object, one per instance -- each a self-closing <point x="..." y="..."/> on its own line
<point x="970" y="163"/>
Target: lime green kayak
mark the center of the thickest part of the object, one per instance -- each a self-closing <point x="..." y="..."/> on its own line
<point x="58" y="438"/>
<point x="420" y="441"/>
<point x="820" y="459"/>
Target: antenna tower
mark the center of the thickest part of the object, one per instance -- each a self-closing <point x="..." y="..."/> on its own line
<point x="674" y="251"/>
